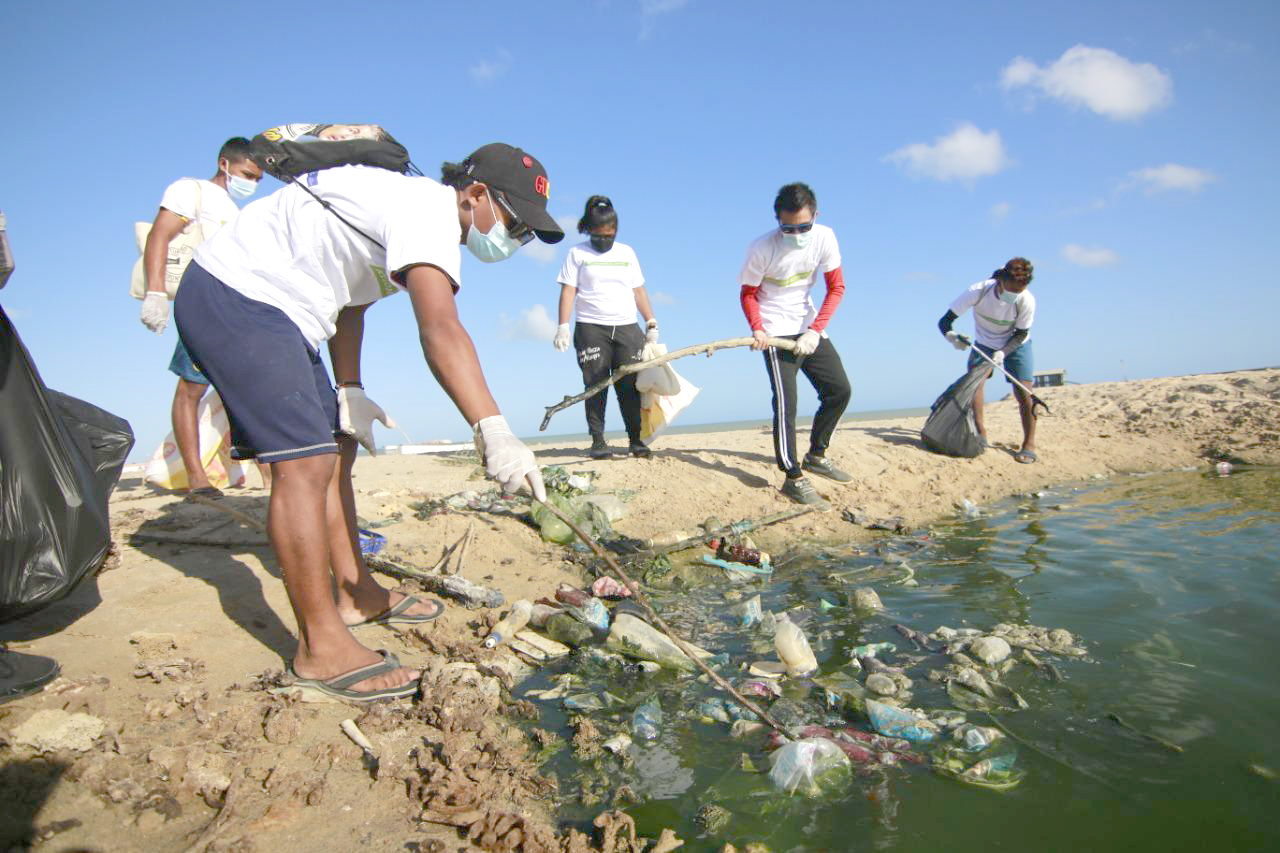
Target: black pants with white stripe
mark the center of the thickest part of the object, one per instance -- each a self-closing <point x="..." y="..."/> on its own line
<point x="602" y="350"/>
<point x="826" y="373"/>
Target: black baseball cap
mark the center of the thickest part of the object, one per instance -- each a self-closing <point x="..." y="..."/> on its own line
<point x="521" y="179"/>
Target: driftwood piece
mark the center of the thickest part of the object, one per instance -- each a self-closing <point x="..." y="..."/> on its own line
<point x="161" y="538"/>
<point x="640" y="598"/>
<point x="472" y="595"/>
<point x="736" y="528"/>
<point x="628" y="369"/>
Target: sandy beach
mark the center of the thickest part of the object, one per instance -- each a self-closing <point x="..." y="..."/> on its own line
<point x="173" y="645"/>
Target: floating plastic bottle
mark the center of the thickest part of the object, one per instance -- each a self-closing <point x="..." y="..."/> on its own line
<point x="793" y="648"/>
<point x="515" y="621"/>
<point x="739" y="553"/>
<point x="646" y="720"/>
<point x="749" y="612"/>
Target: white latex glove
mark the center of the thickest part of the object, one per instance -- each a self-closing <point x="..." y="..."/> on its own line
<point x="561" y="340"/>
<point x="957" y="340"/>
<point x="506" y="459"/>
<point x="356" y="414"/>
<point x="651" y="336"/>
<point x="758" y="338"/>
<point x="998" y="358"/>
<point x="807" y="343"/>
<point x="155" y="311"/>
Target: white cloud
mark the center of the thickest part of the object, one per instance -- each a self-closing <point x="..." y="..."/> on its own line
<point x="533" y="324"/>
<point x="1000" y="210"/>
<point x="1089" y="256"/>
<point x="1170" y="176"/>
<point x="651" y="10"/>
<point x="1097" y="79"/>
<point x="488" y="70"/>
<point x="965" y="155"/>
<point x="658" y="297"/>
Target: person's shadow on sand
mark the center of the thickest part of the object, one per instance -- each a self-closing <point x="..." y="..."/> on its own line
<point x="893" y="435"/>
<point x="24" y="787"/>
<point x="719" y="466"/>
<point x="200" y="540"/>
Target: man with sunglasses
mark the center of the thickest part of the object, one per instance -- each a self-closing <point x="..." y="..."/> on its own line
<point x="777" y="278"/>
<point x="299" y="268"/>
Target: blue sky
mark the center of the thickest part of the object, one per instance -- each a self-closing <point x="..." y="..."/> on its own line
<point x="1121" y="146"/>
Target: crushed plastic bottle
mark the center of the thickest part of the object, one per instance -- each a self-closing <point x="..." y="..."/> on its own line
<point x="793" y="648"/>
<point x="726" y="550"/>
<point x="646" y="720"/>
<point x="515" y="621"/>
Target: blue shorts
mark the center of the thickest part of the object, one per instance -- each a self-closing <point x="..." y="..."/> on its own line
<point x="1017" y="362"/>
<point x="276" y="389"/>
<point x="182" y="365"/>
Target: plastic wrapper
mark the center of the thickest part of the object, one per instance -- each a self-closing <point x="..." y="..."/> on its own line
<point x="893" y="721"/>
<point x="812" y="767"/>
<point x="60" y="459"/>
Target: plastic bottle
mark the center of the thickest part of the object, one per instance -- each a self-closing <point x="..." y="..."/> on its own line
<point x="565" y="629"/>
<point x="739" y="553"/>
<point x="584" y="606"/>
<point x="515" y="620"/>
<point x="646" y="720"/>
<point x="541" y="613"/>
<point x="793" y="648"/>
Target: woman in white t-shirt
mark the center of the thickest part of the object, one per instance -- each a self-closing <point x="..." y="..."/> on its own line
<point x="601" y="280"/>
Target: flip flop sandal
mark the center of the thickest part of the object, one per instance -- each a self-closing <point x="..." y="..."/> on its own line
<point x="339" y="687"/>
<point x="1026" y="457"/>
<point x="396" y="615"/>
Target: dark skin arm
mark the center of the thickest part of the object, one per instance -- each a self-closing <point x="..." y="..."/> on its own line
<point x="167" y="225"/>
<point x="445" y="343"/>
<point x="344" y="346"/>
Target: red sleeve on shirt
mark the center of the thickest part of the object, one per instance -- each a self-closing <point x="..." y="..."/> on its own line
<point x="835" y="292"/>
<point x="751" y="306"/>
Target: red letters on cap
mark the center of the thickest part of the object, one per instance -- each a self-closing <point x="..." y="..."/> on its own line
<point x="541" y="187"/>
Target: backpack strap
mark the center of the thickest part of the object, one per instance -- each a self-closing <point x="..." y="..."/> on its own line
<point x="330" y="208"/>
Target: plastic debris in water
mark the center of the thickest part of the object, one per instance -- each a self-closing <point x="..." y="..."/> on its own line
<point x="969" y="509"/>
<point x="1223" y="468"/>
<point x="607" y="587"/>
<point x="811" y="767"/>
<point x="895" y="722"/>
<point x="739" y="553"/>
<point x="750" y="612"/>
<point x="793" y="648"/>
<point x="646" y="720"/>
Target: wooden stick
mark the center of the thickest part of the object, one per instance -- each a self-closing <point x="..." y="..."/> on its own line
<point x="472" y="595"/>
<point x="234" y="513"/>
<point x="180" y="539"/>
<point x="628" y="369"/>
<point x="462" y="554"/>
<point x="734" y="528"/>
<point x="640" y="598"/>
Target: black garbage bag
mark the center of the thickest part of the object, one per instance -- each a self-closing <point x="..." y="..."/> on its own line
<point x="60" y="458"/>
<point x="950" y="428"/>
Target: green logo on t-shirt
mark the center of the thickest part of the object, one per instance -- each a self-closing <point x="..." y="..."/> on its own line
<point x="606" y="263"/>
<point x="385" y="287"/>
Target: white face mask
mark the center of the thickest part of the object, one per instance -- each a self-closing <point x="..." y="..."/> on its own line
<point x="1007" y="297"/>
<point x="238" y="187"/>
<point x="798" y="241"/>
<point x="495" y="244"/>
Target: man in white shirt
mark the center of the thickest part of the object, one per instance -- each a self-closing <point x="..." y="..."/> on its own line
<point x="299" y="268"/>
<point x="777" y="279"/>
<point x="208" y="205"/>
<point x="1003" y="311"/>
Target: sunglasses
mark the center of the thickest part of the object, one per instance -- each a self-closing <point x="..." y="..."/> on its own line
<point x="798" y="228"/>
<point x="518" y="230"/>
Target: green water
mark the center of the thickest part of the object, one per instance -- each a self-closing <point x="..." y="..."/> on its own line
<point x="1172" y="582"/>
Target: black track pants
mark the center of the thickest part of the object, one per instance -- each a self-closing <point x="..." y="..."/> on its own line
<point x="602" y="350"/>
<point x="826" y="373"/>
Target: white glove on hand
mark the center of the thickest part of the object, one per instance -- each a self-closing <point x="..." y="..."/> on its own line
<point x="506" y="459"/>
<point x="155" y="311"/>
<point x="957" y="340"/>
<point x="651" y="336"/>
<point x="356" y="414"/>
<point x="561" y="340"/>
<point x="998" y="358"/>
<point x="807" y="343"/>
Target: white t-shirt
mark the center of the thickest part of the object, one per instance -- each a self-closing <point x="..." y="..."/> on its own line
<point x="215" y="207"/>
<point x="287" y="250"/>
<point x="605" y="282"/>
<point x="995" y="321"/>
<point x="786" y="276"/>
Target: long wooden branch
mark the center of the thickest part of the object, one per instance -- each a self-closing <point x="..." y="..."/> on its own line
<point x="628" y="369"/>
<point x="640" y="598"/>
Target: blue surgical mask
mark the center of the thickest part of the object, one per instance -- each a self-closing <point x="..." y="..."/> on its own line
<point x="1007" y="297"/>
<point x="238" y="187"/>
<point x="797" y="241"/>
<point x="493" y="246"/>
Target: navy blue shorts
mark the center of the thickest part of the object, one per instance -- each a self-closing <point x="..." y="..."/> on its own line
<point x="182" y="365"/>
<point x="277" y="392"/>
<point x="1017" y="362"/>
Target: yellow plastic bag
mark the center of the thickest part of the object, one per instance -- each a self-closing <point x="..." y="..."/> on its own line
<point x="165" y="469"/>
<point x="657" y="411"/>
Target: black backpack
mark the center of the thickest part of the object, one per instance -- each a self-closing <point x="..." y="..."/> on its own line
<point x="291" y="150"/>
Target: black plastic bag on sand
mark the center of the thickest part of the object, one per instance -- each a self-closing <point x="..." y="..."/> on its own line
<point x="950" y="428"/>
<point x="60" y="458"/>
